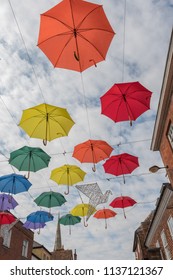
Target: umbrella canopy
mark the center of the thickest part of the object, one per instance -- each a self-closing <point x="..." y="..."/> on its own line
<point x="29" y="159"/>
<point x="121" y="164"/>
<point x="122" y="202"/>
<point x="6" y="218"/>
<point x="104" y="214"/>
<point x="40" y="217"/>
<point x="95" y="195"/>
<point x="67" y="175"/>
<point x="75" y="34"/>
<point x="46" y="122"/>
<point x="92" y="151"/>
<point x="31" y="225"/>
<point x="125" y="101"/>
<point x="69" y="220"/>
<point x="82" y="210"/>
<point x="7" y="202"/>
<point x="50" y="199"/>
<point x="14" y="184"/>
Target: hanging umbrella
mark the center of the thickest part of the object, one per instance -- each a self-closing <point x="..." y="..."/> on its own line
<point x="92" y="151"/>
<point x="121" y="164"/>
<point x="104" y="214"/>
<point x="7" y="202"/>
<point x="95" y="195"/>
<point x="122" y="202"/>
<point x="50" y="199"/>
<point x="69" y="220"/>
<point x="82" y="211"/>
<point x="14" y="184"/>
<point x="29" y="159"/>
<point x="40" y="217"/>
<point x="6" y="218"/>
<point x="46" y="122"/>
<point x="125" y="101"/>
<point x="75" y="34"/>
<point x="31" y="225"/>
<point x="67" y="175"/>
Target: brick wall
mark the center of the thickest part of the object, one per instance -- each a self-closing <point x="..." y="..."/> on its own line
<point x="166" y="150"/>
<point x="164" y="226"/>
<point x="19" y="233"/>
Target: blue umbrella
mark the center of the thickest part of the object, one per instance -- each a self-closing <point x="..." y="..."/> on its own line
<point x="14" y="183"/>
<point x="40" y="217"/>
<point x="7" y="202"/>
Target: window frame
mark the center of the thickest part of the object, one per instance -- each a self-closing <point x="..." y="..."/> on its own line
<point x="170" y="225"/>
<point x="169" y="134"/>
<point x="165" y="245"/>
<point x="25" y="245"/>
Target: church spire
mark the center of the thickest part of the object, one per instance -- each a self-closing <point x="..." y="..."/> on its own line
<point x="58" y="244"/>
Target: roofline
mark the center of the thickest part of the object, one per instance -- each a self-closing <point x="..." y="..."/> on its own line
<point x="164" y="100"/>
<point x="166" y="193"/>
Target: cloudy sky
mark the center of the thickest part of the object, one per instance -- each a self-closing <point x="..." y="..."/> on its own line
<point x="28" y="78"/>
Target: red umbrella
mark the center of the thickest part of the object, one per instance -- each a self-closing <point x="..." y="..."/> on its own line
<point x="121" y="164"/>
<point x="75" y="34"/>
<point x="122" y="202"/>
<point x="104" y="214"/>
<point x="125" y="101"/>
<point x="6" y="218"/>
<point x="92" y="151"/>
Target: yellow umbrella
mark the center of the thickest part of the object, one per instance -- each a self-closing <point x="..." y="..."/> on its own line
<point x="46" y="122"/>
<point x="67" y="175"/>
<point x="82" y="210"/>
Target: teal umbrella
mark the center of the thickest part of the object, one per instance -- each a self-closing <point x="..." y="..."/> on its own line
<point x="68" y="220"/>
<point x="29" y="159"/>
<point x="50" y="199"/>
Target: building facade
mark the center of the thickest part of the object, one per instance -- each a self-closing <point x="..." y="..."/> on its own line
<point x="16" y="242"/>
<point x="162" y="139"/>
<point x="39" y="252"/>
<point x="154" y="238"/>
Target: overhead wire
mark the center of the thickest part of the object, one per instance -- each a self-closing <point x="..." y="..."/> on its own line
<point x="85" y="103"/>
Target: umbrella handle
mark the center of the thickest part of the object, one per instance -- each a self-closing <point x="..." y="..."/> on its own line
<point x="44" y="142"/>
<point x="27" y="176"/>
<point x="105" y="224"/>
<point x="124" y="213"/>
<point x="67" y="191"/>
<point x="94" y="168"/>
<point x="85" y="225"/>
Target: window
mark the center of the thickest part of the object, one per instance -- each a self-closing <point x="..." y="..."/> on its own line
<point x="6" y="235"/>
<point x="170" y="134"/>
<point x="170" y="225"/>
<point x="25" y="248"/>
<point x="165" y="245"/>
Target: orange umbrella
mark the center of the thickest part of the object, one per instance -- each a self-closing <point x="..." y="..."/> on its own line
<point x="92" y="151"/>
<point x="75" y="34"/>
<point x="104" y="214"/>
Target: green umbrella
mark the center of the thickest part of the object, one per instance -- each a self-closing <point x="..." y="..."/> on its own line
<point x="29" y="159"/>
<point x="50" y="199"/>
<point x="69" y="219"/>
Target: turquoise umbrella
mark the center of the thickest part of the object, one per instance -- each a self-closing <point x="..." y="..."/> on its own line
<point x="68" y="220"/>
<point x="29" y="159"/>
<point x="50" y="199"/>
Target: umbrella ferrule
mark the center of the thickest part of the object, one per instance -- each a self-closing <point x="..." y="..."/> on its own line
<point x="75" y="32"/>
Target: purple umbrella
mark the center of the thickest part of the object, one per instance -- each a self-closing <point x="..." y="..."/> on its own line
<point x="31" y="225"/>
<point x="7" y="202"/>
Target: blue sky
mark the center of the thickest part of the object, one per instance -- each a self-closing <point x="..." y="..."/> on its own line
<point x="28" y="81"/>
